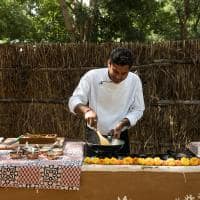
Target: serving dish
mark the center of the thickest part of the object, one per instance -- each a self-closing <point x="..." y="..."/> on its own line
<point x="38" y="138"/>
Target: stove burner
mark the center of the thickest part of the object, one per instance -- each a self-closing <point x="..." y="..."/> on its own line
<point x="178" y="155"/>
<point x="163" y="156"/>
<point x="169" y="154"/>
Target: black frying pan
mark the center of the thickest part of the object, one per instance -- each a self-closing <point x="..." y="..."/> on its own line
<point x="114" y="146"/>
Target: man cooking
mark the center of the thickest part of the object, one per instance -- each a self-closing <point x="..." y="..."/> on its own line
<point x="110" y="99"/>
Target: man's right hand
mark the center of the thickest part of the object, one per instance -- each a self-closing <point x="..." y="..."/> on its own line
<point x="91" y="118"/>
<point x="89" y="114"/>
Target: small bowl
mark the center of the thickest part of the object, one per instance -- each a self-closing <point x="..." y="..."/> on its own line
<point x="45" y="150"/>
<point x="32" y="155"/>
<point x="52" y="155"/>
<point x="16" y="154"/>
<point x="58" y="151"/>
<point x="30" y="149"/>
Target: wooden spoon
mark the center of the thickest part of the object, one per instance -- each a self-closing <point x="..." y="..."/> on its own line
<point x="103" y="140"/>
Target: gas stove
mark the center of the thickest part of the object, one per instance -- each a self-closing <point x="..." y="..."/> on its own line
<point x="168" y="154"/>
<point x="164" y="156"/>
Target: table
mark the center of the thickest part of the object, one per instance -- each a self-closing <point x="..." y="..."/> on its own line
<point x="100" y="182"/>
<point x="42" y="173"/>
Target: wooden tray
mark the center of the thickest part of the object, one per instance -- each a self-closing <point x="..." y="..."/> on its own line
<point x="38" y="138"/>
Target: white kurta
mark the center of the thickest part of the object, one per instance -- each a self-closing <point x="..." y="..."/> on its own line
<point x="112" y="102"/>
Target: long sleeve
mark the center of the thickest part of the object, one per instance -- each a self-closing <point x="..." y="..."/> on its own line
<point x="112" y="102"/>
<point x="80" y="94"/>
<point x="137" y="107"/>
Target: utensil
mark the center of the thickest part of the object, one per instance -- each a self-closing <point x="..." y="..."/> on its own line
<point x="1" y="139"/>
<point x="13" y="141"/>
<point x="102" y="139"/>
<point x="194" y="147"/>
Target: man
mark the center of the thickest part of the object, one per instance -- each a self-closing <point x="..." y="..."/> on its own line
<point x="110" y="99"/>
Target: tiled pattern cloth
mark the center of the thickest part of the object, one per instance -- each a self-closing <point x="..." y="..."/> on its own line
<point x="63" y="173"/>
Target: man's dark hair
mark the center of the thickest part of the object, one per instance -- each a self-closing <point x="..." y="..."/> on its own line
<point x="121" y="56"/>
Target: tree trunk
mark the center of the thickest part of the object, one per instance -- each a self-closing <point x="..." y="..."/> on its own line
<point x="91" y="22"/>
<point x="185" y="19"/>
<point x="183" y="16"/>
<point x="68" y="20"/>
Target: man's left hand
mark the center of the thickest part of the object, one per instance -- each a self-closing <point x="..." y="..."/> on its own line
<point x="120" y="127"/>
<point x="117" y="130"/>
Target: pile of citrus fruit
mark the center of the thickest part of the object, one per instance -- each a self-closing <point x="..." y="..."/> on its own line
<point x="143" y="161"/>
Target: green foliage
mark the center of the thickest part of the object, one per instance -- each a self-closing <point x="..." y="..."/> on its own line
<point x="118" y="22"/>
<point x="179" y="14"/>
<point x="103" y="21"/>
<point x="14" y="23"/>
<point x="48" y="21"/>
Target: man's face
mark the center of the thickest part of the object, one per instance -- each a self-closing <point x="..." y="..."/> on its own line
<point x="117" y="73"/>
